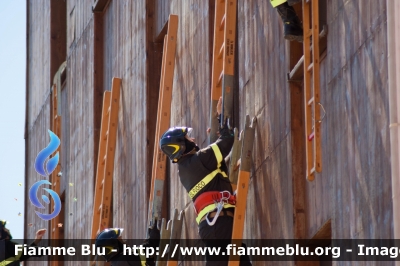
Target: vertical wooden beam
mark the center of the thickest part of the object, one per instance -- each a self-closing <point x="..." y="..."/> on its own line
<point x="98" y="141"/>
<point x="298" y="144"/>
<point x="58" y="36"/>
<point x="153" y="73"/>
<point x="297" y="105"/>
<point x="393" y="19"/>
<point x="56" y="231"/>
<point x="55" y="121"/>
<point x="58" y="54"/>
<point x="298" y="162"/>
<point x="27" y="116"/>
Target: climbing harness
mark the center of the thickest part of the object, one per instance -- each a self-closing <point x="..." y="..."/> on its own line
<point x="212" y="201"/>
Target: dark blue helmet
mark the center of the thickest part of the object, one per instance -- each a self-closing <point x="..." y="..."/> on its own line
<point x="4" y="234"/>
<point x="2" y="224"/>
<point x="108" y="239"/>
<point x="173" y="143"/>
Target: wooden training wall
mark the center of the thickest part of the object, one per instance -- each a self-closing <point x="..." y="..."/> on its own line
<point x="125" y="40"/>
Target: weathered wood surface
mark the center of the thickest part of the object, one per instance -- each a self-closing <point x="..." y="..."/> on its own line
<point x="354" y="188"/>
<point x="191" y="91"/>
<point x="162" y="10"/>
<point x="356" y="131"/>
<point x="38" y="58"/>
<point x="80" y="157"/>
<point x="125" y="57"/>
<point x="38" y="139"/>
<point x="265" y="93"/>
<point x="79" y="15"/>
<point x="318" y="193"/>
<point x="45" y="52"/>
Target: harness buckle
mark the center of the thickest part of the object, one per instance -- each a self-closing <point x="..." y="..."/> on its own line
<point x="225" y="195"/>
<point x="219" y="206"/>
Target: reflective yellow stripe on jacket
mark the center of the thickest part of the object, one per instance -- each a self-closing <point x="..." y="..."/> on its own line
<point x="217" y="154"/>
<point x="276" y="3"/>
<point x="207" y="179"/>
<point x="6" y="262"/>
<point x="142" y="259"/>
<point x="11" y="259"/>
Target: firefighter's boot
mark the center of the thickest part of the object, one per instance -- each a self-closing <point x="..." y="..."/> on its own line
<point x="292" y="28"/>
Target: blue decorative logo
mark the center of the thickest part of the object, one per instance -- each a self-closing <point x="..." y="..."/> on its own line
<point x="45" y="153"/>
<point x="46" y="171"/>
<point x="35" y="201"/>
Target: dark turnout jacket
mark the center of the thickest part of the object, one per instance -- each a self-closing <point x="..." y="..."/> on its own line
<point x="8" y="256"/>
<point x="194" y="167"/>
<point x="126" y="260"/>
<point x="135" y="260"/>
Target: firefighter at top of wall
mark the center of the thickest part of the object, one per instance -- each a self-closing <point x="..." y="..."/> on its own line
<point x="111" y="240"/>
<point x="203" y="173"/>
<point x="7" y="255"/>
<point x="292" y="28"/>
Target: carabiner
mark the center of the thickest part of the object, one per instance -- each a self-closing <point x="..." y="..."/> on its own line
<point x="220" y="206"/>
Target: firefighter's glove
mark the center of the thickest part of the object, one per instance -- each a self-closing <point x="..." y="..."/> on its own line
<point x="153" y="239"/>
<point x="226" y="130"/>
